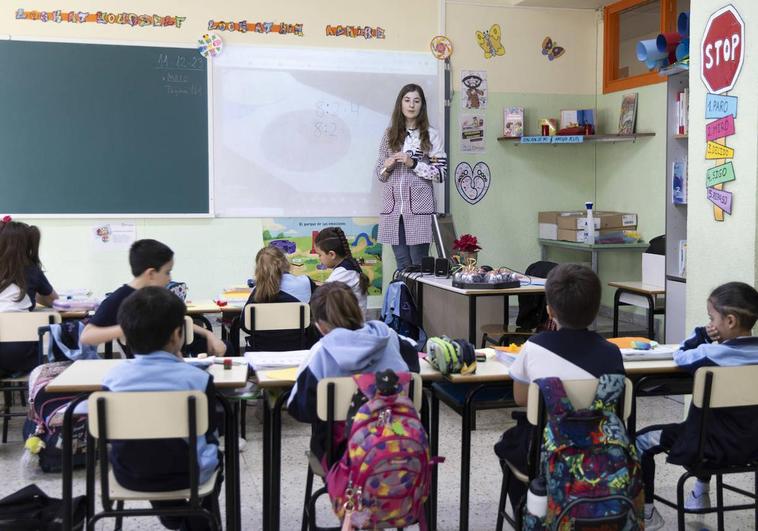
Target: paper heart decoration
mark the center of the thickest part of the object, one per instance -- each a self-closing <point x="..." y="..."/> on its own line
<point x="472" y="183"/>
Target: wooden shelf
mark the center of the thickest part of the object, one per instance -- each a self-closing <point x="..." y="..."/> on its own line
<point x="680" y="136"/>
<point x="586" y="139"/>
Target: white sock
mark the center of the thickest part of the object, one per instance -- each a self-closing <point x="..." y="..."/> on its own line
<point x="649" y="510"/>
<point x="701" y="487"/>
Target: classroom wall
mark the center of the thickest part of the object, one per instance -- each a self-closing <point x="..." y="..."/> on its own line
<point x="225" y="247"/>
<point x="719" y="252"/>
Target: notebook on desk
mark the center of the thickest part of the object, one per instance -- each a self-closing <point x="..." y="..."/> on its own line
<point x="661" y="352"/>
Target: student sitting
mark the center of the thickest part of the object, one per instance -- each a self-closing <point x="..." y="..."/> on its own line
<point x="732" y="434"/>
<point x="572" y="352"/>
<point x="151" y="262"/>
<point x="274" y="283"/>
<point x="22" y="285"/>
<point x="334" y="252"/>
<point x="349" y="346"/>
<point x="152" y="319"/>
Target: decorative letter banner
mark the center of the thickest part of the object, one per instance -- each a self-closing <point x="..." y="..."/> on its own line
<point x="101" y="17"/>
<point x="366" y="32"/>
<point x="243" y="26"/>
<point x="472" y="184"/>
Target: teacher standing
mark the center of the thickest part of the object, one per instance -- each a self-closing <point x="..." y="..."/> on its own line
<point x="411" y="159"/>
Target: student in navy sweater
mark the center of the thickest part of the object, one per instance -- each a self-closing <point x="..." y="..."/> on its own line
<point x="275" y="283"/>
<point x="725" y="341"/>
<point x="152" y="320"/>
<point x="349" y="346"/>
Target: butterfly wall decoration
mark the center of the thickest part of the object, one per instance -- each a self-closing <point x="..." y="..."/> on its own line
<point x="551" y="49"/>
<point x="489" y="41"/>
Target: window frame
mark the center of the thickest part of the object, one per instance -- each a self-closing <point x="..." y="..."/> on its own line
<point x="611" y="44"/>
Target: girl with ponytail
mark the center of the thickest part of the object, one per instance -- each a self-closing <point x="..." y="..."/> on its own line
<point x="334" y="252"/>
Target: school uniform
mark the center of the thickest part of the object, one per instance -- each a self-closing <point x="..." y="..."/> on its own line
<point x="568" y="354"/>
<point x="36" y="283"/>
<point x="732" y="433"/>
<point x="162" y="464"/>
<point x="107" y="312"/>
<point x="293" y="288"/>
<point x="349" y="272"/>
<point x="342" y="352"/>
<point x="408" y="202"/>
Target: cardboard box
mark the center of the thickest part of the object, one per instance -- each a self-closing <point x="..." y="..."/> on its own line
<point x="550" y="222"/>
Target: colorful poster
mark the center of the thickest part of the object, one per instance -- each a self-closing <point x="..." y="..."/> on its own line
<point x="472" y="133"/>
<point x="472" y="183"/>
<point x="719" y="106"/>
<point x="295" y="237"/>
<point x="715" y="151"/>
<point x="719" y="174"/>
<point x="114" y="235"/>
<point x="720" y="128"/>
<point x="474" y="89"/>
<point x="721" y="198"/>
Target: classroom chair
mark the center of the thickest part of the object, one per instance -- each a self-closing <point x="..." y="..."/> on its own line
<point x="133" y="415"/>
<point x="333" y="397"/>
<point x="21" y="326"/>
<point x="650" y="293"/>
<point x="715" y="388"/>
<point x="581" y="393"/>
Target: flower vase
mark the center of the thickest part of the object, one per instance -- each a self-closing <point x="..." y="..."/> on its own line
<point x="466" y="257"/>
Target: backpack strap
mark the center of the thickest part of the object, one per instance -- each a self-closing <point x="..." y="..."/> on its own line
<point x="609" y="389"/>
<point x="556" y="401"/>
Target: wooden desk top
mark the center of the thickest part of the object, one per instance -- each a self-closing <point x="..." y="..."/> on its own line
<point x="87" y="375"/>
<point x="447" y="285"/>
<point x="639" y="287"/>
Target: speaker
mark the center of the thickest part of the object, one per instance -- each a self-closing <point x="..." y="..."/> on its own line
<point x="442" y="267"/>
<point x="427" y="264"/>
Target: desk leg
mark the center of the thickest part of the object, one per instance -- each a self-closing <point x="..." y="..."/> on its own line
<point x="434" y="448"/>
<point x="472" y="319"/>
<point x="266" y="462"/>
<point x="420" y="302"/>
<point x="616" y="304"/>
<point x="593" y="252"/>
<point x="231" y="464"/>
<point x="466" y="459"/>
<point x="67" y="461"/>
<point x="276" y="459"/>
<point x="506" y="311"/>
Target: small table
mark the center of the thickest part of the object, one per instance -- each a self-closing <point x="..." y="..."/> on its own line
<point x="647" y="291"/>
<point x="592" y="248"/>
<point x="86" y="376"/>
<point x="446" y="284"/>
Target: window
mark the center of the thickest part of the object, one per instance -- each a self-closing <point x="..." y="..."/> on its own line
<point x="625" y="23"/>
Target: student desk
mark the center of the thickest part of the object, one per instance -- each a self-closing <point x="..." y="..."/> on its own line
<point x="446" y="284"/>
<point x="275" y="394"/>
<point x="490" y="374"/>
<point x="85" y="376"/>
<point x="592" y="248"/>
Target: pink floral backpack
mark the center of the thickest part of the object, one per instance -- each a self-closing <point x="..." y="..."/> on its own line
<point x="383" y="479"/>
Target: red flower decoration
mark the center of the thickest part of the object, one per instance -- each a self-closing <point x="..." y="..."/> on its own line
<point x="7" y="219"/>
<point x="467" y="244"/>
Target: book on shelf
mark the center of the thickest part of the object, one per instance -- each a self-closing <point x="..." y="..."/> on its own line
<point x="683" y="258"/>
<point x="679" y="182"/>
<point x="513" y="122"/>
<point x="682" y="112"/>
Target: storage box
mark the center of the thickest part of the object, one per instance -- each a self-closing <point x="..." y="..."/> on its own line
<point x="550" y="222"/>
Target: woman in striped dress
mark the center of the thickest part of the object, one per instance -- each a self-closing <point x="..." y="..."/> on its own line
<point x="411" y="159"/>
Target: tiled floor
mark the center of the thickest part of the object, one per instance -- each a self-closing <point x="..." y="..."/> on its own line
<point x="485" y="472"/>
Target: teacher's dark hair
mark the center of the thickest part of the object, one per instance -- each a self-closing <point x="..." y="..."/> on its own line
<point x="396" y="133"/>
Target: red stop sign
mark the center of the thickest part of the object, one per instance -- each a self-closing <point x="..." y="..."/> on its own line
<point x="721" y="53"/>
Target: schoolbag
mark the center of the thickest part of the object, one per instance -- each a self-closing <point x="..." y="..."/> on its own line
<point x="44" y="424"/>
<point x="65" y="345"/>
<point x="591" y="470"/>
<point x="532" y="310"/>
<point x="384" y="476"/>
<point x="30" y="508"/>
<point x="399" y="312"/>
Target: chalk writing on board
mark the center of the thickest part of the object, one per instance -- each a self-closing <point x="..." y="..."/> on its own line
<point x="180" y="62"/>
<point x="329" y="115"/>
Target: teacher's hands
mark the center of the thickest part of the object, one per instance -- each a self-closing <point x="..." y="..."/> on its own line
<point x="404" y="158"/>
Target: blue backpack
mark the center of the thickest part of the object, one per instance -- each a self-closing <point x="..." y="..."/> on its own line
<point x="399" y="312"/>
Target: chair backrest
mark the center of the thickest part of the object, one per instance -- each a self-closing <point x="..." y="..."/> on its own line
<point x="189" y="330"/>
<point x="148" y="415"/>
<point x="23" y="326"/>
<point x="580" y="392"/>
<point x="344" y="389"/>
<point x="729" y="387"/>
<point x="258" y="317"/>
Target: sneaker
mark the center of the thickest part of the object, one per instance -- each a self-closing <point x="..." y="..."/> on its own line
<point x="655" y="521"/>
<point x="698" y="502"/>
<point x="241" y="444"/>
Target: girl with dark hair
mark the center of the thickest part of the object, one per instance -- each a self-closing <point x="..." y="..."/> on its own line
<point x="411" y="158"/>
<point x="334" y="252"/>
<point x="726" y="341"/>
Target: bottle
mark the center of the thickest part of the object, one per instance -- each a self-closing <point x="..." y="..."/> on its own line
<point x="590" y="228"/>
<point x="536" y="498"/>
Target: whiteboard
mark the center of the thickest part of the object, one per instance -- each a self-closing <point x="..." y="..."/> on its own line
<point x="296" y="131"/>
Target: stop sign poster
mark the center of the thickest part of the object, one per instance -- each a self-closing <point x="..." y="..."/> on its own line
<point x="721" y="57"/>
<point x="722" y="50"/>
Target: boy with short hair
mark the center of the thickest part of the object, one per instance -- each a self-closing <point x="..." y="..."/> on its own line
<point x="151" y="262"/>
<point x="572" y="352"/>
<point x="152" y="319"/>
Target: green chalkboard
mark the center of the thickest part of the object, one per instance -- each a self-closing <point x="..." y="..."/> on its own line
<point x="102" y="129"/>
